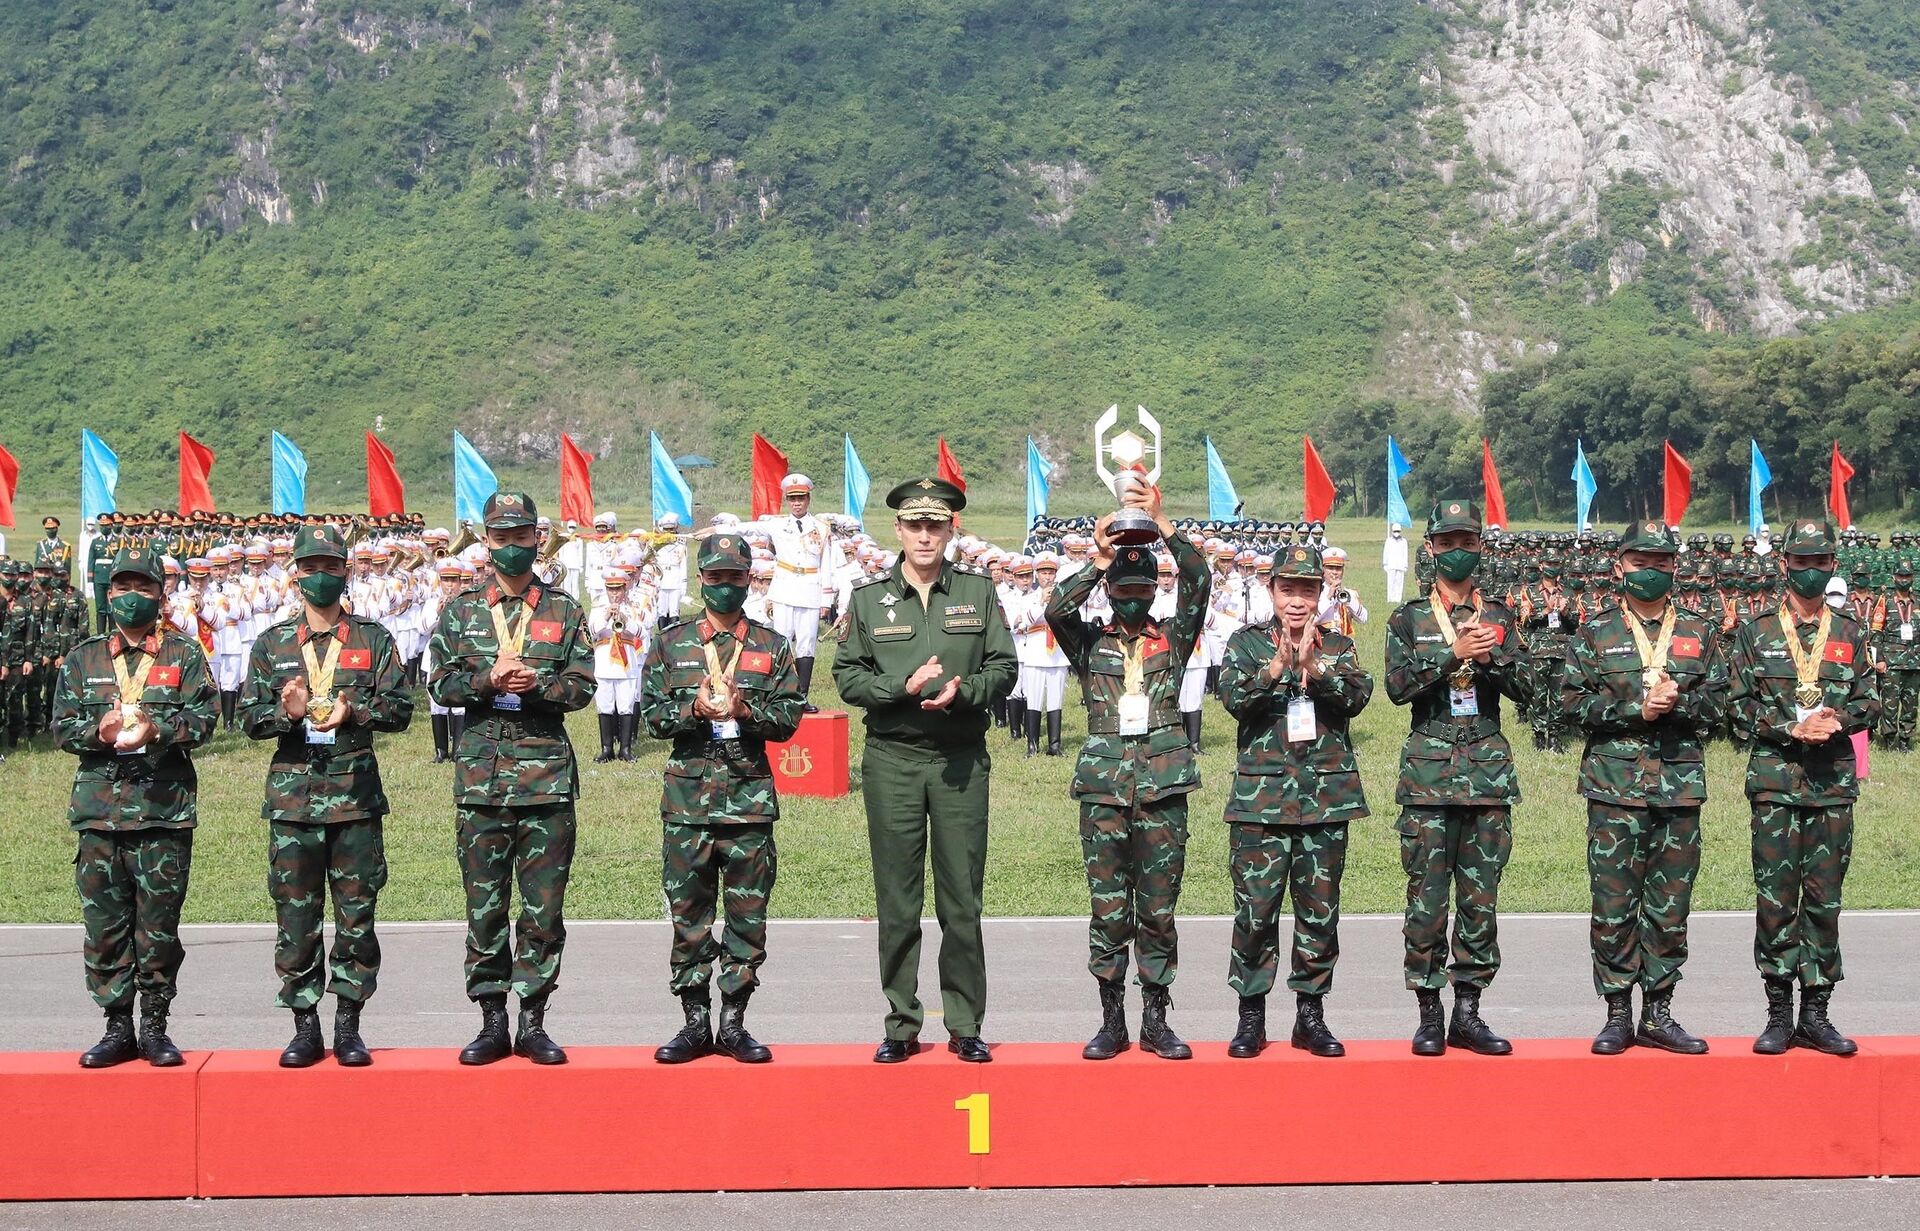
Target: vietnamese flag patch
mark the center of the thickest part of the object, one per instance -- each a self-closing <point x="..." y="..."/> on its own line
<point x="761" y="662"/>
<point x="168" y="677"/>
<point x="545" y="630"/>
<point x="1686" y="647"/>
<point x="1839" y="652"/>
<point x="357" y="660"/>
<point x="1499" y="633"/>
<point x="1157" y="645"/>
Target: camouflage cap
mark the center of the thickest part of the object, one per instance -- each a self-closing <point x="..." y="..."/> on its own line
<point x="1133" y="566"/>
<point x="1808" y="537"/>
<point x="1646" y="534"/>
<point x="1301" y="561"/>
<point x="319" y="541"/>
<point x="926" y="500"/>
<point x="1453" y="513"/>
<point x="140" y="561"/>
<point x="725" y="552"/>
<point x="509" y="511"/>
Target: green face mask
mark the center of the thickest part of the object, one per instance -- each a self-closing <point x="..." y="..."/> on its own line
<point x="1647" y="584"/>
<point x="1808" y="582"/>
<point x="724" y="599"/>
<point x="322" y="589"/>
<point x="1902" y="585"/>
<point x="513" y="560"/>
<point x="1457" y="564"/>
<point x="1132" y="612"/>
<point x="133" y="610"/>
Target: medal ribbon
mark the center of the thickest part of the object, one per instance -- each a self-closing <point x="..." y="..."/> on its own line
<point x="133" y="684"/>
<point x="509" y="639"/>
<point x="1806" y="662"/>
<point x="1462" y="678"/>
<point x="1133" y="682"/>
<point x="319" y="673"/>
<point x="718" y="680"/>
<point x="1653" y="654"/>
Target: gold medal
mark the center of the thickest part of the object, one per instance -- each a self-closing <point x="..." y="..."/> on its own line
<point x="1808" y="695"/>
<point x="1806" y="661"/>
<point x="319" y="709"/>
<point x="130" y="716"/>
<point x="1462" y="677"/>
<point x="1651" y="678"/>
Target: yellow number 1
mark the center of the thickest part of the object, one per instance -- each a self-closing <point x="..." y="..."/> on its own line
<point x="977" y="1108"/>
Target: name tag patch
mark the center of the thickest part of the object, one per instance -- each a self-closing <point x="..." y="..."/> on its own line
<point x="962" y="623"/>
<point x="885" y="632"/>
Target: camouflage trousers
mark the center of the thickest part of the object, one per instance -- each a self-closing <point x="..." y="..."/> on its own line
<point x="1900" y="706"/>
<point x="1135" y="858"/>
<point x="1457" y="852"/>
<point x="132" y="885"/>
<point x="304" y="863"/>
<point x="1270" y="863"/>
<point x="699" y="864"/>
<point x="1800" y="858"/>
<point x="1641" y="864"/>
<point x="499" y="846"/>
<point x="1548" y="720"/>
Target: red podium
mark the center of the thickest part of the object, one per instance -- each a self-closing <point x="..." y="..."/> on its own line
<point x="814" y="761"/>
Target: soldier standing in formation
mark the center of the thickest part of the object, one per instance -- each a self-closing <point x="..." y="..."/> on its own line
<point x="1294" y="685"/>
<point x="516" y="656"/>
<point x="1646" y="683"/>
<point x="1135" y="771"/>
<point x="721" y="688"/>
<point x="319" y="685"/>
<point x="133" y="704"/>
<point x="1900" y="653"/>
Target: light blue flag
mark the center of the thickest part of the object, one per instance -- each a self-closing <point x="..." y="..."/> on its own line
<point x="289" y="476"/>
<point x="670" y="491"/>
<point x="99" y="475"/>
<point x="1222" y="501"/>
<point x="856" y="484"/>
<point x="1584" y="487"/>
<point x="1398" y="468"/>
<point x="1757" y="482"/>
<point x="1039" y="470"/>
<point x="473" y="481"/>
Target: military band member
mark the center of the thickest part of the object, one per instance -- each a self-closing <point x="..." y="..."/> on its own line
<point x="446" y="719"/>
<point x="802" y="588"/>
<point x="617" y="624"/>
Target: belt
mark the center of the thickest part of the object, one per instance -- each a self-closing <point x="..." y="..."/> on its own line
<point x="793" y="568"/>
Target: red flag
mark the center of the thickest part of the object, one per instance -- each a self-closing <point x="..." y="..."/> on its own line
<point x="9" y="483"/>
<point x="1495" y="500"/>
<point x="769" y="467"/>
<point x="1319" y="484"/>
<point x="1679" y="486"/>
<point x="949" y="470"/>
<point x="576" y="482"/>
<point x="1839" y="471"/>
<point x="386" y="495"/>
<point x="196" y="467"/>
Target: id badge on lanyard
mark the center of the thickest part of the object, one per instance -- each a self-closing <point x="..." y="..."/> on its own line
<point x="1906" y="631"/>
<point x="1553" y="619"/>
<point x="316" y="736"/>
<point x="730" y="729"/>
<point x="1464" y="702"/>
<point x="1302" y="724"/>
<point x="506" y="701"/>
<point x="1133" y="715"/>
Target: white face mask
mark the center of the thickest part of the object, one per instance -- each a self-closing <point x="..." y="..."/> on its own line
<point x="1836" y="601"/>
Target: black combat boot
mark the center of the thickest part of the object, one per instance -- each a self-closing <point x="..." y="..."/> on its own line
<point x="1111" y="1039"/>
<point x="1053" y="732"/>
<point x="117" y="1045"/>
<point x="349" y="1051"/>
<point x="532" y="1041"/>
<point x="607" y="722"/>
<point x="1310" y="1031"/>
<point x="805" y="667"/>
<point x="1033" y="733"/>
<point x="456" y="723"/>
<point x="493" y="1042"/>
<point x="1778" y="1036"/>
<point x="732" y="1038"/>
<point x="155" y="1046"/>
<point x="307" y="1048"/>
<point x="1155" y="1035"/>
<point x="696" y="1037"/>
<point x="1815" y="1030"/>
<point x="1468" y="1030"/>
<point x="1658" y="1029"/>
<point x="1191" y="719"/>
<point x="1430" y="1038"/>
<point x="1016" y="718"/>
<point x="1250" y="1031"/>
<point x="627" y="723"/>
<point x="1617" y="1035"/>
<point x="439" y="738"/>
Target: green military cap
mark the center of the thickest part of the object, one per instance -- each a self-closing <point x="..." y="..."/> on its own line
<point x="1903" y="569"/>
<point x="1132" y="565"/>
<point x="143" y="561"/>
<point x="1301" y="561"/>
<point x="926" y="500"/>
<point x="1457" y="513"/>
<point x="726" y="552"/>
<point x="314" y="541"/>
<point x="509" y="511"/>
<point x="1808" y="537"/>
<point x="1645" y="534"/>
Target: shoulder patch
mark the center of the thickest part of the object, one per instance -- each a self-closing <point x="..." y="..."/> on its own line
<point x="864" y="582"/>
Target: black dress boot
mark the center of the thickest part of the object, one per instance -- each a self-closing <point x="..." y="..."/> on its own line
<point x="1617" y="1035"/>
<point x="732" y="1038"/>
<point x="439" y="738"/>
<point x="1111" y="1039"/>
<point x="154" y="1043"/>
<point x="1191" y="718"/>
<point x="1814" y="1030"/>
<point x="627" y="724"/>
<point x="1155" y="1035"/>
<point x="117" y="1045"/>
<point x="607" y="722"/>
<point x="1000" y="712"/>
<point x="1468" y="1030"/>
<point x="531" y="1040"/>
<point x="1310" y="1031"/>
<point x="1033" y="733"/>
<point x="1778" y="1036"/>
<point x="349" y="1051"/>
<point x="1250" y="1032"/>
<point x="805" y="667"/>
<point x="493" y="1042"/>
<point x="1016" y="718"/>
<point x="456" y="724"/>
<point x="1430" y="1037"/>
<point x="696" y="1037"/>
<point x="1658" y="1029"/>
<point x="307" y="1048"/>
<point x="228" y="700"/>
<point x="1053" y="732"/>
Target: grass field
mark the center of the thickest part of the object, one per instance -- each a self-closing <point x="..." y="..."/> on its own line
<point x="1033" y="858"/>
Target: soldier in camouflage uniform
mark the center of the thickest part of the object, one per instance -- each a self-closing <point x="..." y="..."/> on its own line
<point x="1801" y="686"/>
<point x="16" y="632"/>
<point x="516" y="656"/>
<point x="1451" y="657"/>
<point x="1294" y="687"/>
<point x="1135" y="770"/>
<point x="1548" y="619"/>
<point x="320" y="685"/>
<point x="1645" y="682"/>
<point x="1899" y="646"/>
<point x="132" y="705"/>
<point x="720" y="687"/>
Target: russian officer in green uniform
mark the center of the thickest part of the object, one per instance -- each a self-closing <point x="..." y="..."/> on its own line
<point x="925" y="652"/>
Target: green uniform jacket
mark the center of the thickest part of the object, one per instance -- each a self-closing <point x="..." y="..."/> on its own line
<point x="710" y="781"/>
<point x="154" y="789"/>
<point x="325" y="783"/>
<point x="506" y="757"/>
<point x="1628" y="760"/>
<point x="1450" y="760"/>
<point x="1125" y="770"/>
<point x="1280" y="783"/>
<point x="1782" y="769"/>
<point x="889" y="636"/>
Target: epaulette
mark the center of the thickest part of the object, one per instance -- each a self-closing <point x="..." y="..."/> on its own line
<point x="864" y="582"/>
<point x="969" y="569"/>
<point x="673" y="622"/>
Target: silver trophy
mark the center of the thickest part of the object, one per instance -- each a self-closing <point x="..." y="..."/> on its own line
<point x="1128" y="452"/>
